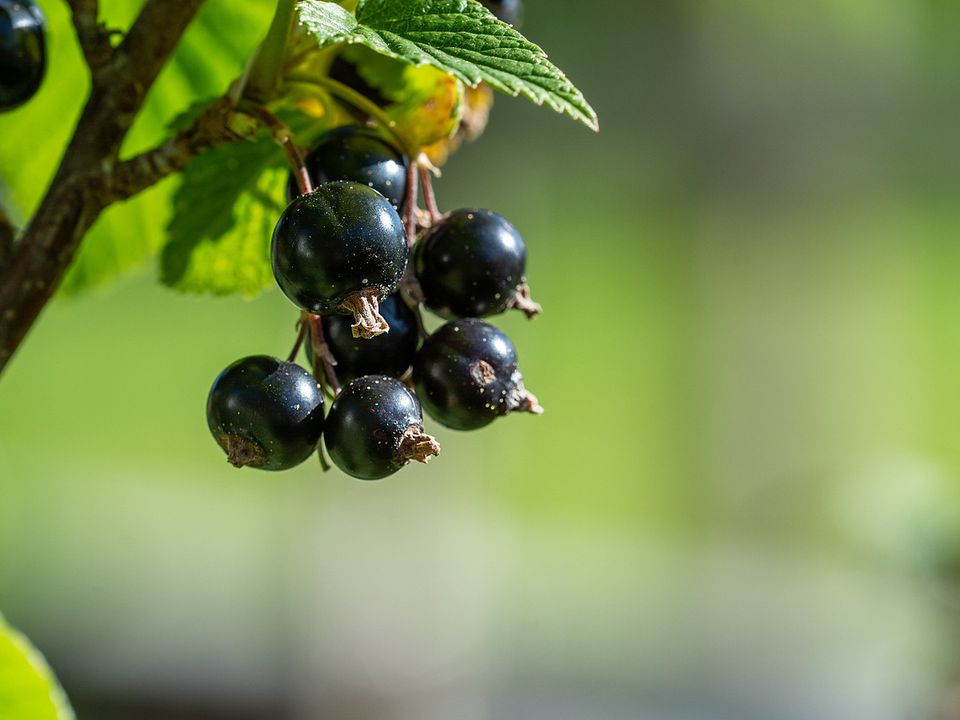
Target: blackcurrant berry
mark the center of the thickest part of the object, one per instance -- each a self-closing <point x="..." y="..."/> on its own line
<point x="510" y="11"/>
<point x="388" y="354"/>
<point x="375" y="427"/>
<point x="472" y="264"/>
<point x="23" y="55"/>
<point x="340" y="250"/>
<point x="266" y="413"/>
<point x="358" y="154"/>
<point x="466" y="376"/>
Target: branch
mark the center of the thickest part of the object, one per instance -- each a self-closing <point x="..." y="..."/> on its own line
<point x="94" y="38"/>
<point x="214" y="126"/>
<point x="153" y="37"/>
<point x="7" y="234"/>
<point x="83" y="186"/>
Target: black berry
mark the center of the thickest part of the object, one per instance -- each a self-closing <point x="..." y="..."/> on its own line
<point x="340" y="250"/>
<point x="472" y="264"/>
<point x="466" y="376"/>
<point x="358" y="154"/>
<point x="389" y="354"/>
<point x="510" y="11"/>
<point x="266" y="413"/>
<point x="23" y="55"/>
<point x="375" y="427"/>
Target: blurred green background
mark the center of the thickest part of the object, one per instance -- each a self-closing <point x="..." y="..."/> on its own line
<point x="742" y="501"/>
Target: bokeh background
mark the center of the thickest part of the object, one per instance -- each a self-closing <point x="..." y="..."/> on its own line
<point x="741" y="503"/>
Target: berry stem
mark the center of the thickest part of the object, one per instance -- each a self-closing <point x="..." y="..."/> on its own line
<point x="417" y="445"/>
<point x="530" y="404"/>
<point x="365" y="306"/>
<point x="519" y="399"/>
<point x="421" y="328"/>
<point x="322" y="456"/>
<point x="429" y="197"/>
<point x="321" y="351"/>
<point x="524" y="303"/>
<point x="410" y="204"/>
<point x="412" y="295"/>
<point x="301" y="336"/>
<point x="284" y="137"/>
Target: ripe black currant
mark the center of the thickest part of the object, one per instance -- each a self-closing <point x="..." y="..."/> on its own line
<point x="510" y="11"/>
<point x="340" y="250"/>
<point x="23" y="56"/>
<point x="389" y="354"/>
<point x="466" y="376"/>
<point x="266" y="413"/>
<point x="358" y="154"/>
<point x="471" y="264"/>
<point x="375" y="427"/>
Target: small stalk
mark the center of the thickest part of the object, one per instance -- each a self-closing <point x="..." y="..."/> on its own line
<point x="417" y="445"/>
<point x="321" y="351"/>
<point x="284" y="137"/>
<point x="429" y="197"/>
<point x="301" y="336"/>
<point x="352" y="97"/>
<point x="324" y="463"/>
<point x="262" y="77"/>
<point x="410" y="204"/>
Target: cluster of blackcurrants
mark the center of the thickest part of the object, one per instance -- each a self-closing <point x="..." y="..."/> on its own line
<point x="23" y="58"/>
<point x="340" y="252"/>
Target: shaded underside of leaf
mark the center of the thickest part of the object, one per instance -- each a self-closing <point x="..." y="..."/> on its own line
<point x="460" y="37"/>
<point x="224" y="213"/>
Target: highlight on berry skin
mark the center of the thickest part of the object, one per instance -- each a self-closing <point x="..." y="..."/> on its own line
<point x="266" y="413"/>
<point x="467" y="375"/>
<point x="23" y="52"/>
<point x="375" y="428"/>
<point x="473" y="264"/>
<point x="340" y="250"/>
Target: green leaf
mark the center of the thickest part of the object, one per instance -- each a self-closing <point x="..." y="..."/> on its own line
<point x="211" y="54"/>
<point x="224" y="213"/>
<point x="28" y="688"/>
<point x="460" y="37"/>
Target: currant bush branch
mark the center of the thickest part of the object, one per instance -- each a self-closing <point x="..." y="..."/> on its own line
<point x="91" y="175"/>
<point x="83" y="185"/>
<point x="94" y="37"/>
<point x="217" y="124"/>
<point x="7" y="234"/>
